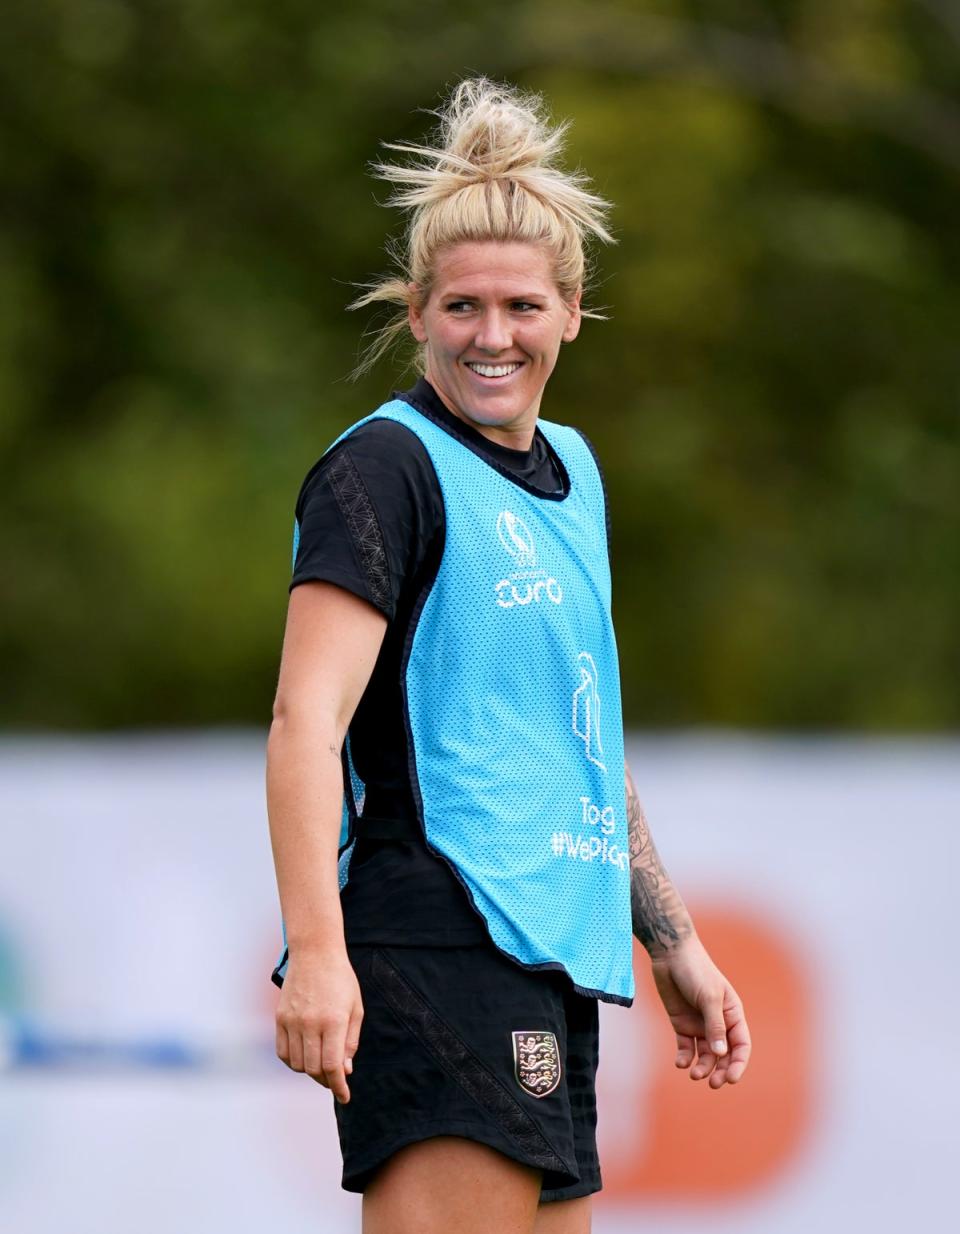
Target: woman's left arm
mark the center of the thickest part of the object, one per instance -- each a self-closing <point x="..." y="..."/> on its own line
<point x="703" y="1007"/>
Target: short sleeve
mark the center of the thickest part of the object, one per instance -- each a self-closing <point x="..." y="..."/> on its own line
<point x="367" y="514"/>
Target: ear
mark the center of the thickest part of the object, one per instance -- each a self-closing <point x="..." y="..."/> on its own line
<point x="572" y="327"/>
<point x="415" y="317"/>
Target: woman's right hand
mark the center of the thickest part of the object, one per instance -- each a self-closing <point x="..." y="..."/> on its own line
<point x="318" y="1018"/>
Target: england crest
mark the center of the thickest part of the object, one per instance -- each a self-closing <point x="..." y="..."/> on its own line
<point x="536" y="1062"/>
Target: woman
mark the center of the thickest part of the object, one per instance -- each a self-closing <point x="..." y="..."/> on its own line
<point x="449" y="683"/>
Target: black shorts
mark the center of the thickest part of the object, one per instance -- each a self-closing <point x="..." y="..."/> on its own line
<point x="462" y="1041"/>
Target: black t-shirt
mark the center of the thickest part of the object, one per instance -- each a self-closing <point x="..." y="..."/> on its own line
<point x="371" y="520"/>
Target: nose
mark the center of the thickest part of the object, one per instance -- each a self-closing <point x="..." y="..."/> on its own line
<point x="493" y="332"/>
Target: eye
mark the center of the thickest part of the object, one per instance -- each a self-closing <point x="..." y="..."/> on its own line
<point x="459" y="306"/>
<point x="524" y="306"/>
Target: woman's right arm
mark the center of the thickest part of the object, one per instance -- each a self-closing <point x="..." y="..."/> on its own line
<point x="330" y="647"/>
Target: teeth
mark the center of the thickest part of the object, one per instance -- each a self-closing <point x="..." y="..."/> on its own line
<point x="493" y="370"/>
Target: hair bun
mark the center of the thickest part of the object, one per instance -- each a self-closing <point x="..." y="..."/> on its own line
<point x="490" y="132"/>
<point x="496" y="132"/>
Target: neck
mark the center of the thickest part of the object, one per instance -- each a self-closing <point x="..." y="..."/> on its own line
<point x="514" y="437"/>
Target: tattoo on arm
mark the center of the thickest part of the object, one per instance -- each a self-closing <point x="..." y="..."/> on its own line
<point x="660" y="920"/>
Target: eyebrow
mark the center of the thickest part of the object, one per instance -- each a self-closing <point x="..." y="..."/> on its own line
<point x="524" y="295"/>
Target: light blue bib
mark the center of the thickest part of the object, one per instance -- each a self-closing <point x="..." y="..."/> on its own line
<point x="512" y="696"/>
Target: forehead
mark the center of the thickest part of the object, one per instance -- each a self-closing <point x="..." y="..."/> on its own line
<point x="489" y="268"/>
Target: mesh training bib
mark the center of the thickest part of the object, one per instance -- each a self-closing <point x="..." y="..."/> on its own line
<point x="512" y="704"/>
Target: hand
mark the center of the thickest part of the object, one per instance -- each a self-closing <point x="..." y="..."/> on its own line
<point x="706" y="1014"/>
<point x="318" y="1019"/>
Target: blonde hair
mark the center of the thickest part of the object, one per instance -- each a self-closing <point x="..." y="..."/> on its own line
<point x="491" y="174"/>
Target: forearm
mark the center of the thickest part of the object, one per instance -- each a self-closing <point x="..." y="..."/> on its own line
<point x="304" y="806"/>
<point x="660" y="919"/>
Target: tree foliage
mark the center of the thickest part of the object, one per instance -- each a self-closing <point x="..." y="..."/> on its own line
<point x="185" y="211"/>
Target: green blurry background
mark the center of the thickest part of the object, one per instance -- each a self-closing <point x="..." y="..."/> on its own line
<point x="184" y="207"/>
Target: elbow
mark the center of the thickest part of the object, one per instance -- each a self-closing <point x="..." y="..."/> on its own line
<point x="281" y="710"/>
<point x="286" y="721"/>
<point x="298" y="715"/>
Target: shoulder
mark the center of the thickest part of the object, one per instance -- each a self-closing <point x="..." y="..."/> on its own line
<point x="368" y="513"/>
<point x="381" y="438"/>
<point x="603" y="485"/>
<point x="387" y="456"/>
<point x="590" y="446"/>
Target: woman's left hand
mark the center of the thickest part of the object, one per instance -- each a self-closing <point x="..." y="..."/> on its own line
<point x="706" y="1014"/>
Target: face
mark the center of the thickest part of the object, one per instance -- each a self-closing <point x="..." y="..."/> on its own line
<point x="492" y="328"/>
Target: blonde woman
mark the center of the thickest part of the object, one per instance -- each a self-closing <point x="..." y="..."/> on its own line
<point x="461" y="855"/>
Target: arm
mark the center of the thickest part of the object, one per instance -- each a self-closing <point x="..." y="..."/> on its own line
<point x="330" y="646"/>
<point x="702" y="1005"/>
<point x="660" y="920"/>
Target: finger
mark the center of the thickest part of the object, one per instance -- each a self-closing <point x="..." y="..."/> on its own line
<point x="352" y="1042"/>
<point x="311" y="1052"/>
<point x="295" y="1049"/>
<point x="731" y="1066"/>
<point x="686" y="1050"/>
<point x="740" y="1049"/>
<point x="718" y="1078"/>
<point x="706" y="1060"/>
<point x="332" y="1065"/>
<point x="283" y="1045"/>
<point x="720" y="1073"/>
<point x="737" y="1067"/>
<point x="715" y="1024"/>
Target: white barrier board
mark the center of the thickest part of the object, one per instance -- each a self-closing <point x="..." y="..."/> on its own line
<point x="139" y="923"/>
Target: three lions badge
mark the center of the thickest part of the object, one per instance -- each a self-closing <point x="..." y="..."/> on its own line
<point x="536" y="1062"/>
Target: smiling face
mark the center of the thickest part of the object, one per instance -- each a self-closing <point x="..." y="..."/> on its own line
<point x="492" y="328"/>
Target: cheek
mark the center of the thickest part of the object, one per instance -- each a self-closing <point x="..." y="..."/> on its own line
<point x="448" y="339"/>
<point x="546" y="346"/>
<point x="547" y="354"/>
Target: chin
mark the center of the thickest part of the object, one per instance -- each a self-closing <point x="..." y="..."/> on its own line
<point x="494" y="418"/>
<point x="500" y="403"/>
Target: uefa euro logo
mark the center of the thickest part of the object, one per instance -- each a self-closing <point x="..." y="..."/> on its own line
<point x="516" y="538"/>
